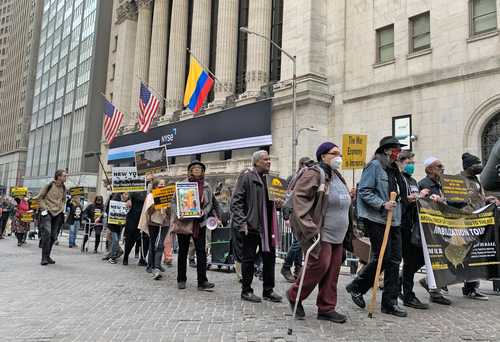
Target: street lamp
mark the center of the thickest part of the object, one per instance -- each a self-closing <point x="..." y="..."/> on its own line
<point x="98" y="156"/>
<point x="294" y="91"/>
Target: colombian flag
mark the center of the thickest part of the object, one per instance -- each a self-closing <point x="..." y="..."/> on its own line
<point x="198" y="86"/>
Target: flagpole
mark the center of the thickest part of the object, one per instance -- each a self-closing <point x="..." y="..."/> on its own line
<point x="208" y="70"/>
<point x="153" y="89"/>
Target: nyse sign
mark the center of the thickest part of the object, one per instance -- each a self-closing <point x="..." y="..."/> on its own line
<point x="168" y="139"/>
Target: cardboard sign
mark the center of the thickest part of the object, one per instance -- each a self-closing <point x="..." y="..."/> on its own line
<point x="276" y="188"/>
<point x="354" y="151"/>
<point x="126" y="179"/>
<point x="117" y="213"/>
<point x="34" y="204"/>
<point x="152" y="161"/>
<point x="187" y="200"/>
<point x="77" y="191"/>
<point x="455" y="188"/>
<point x="163" y="196"/>
<point x="18" y="192"/>
<point x="27" y="217"/>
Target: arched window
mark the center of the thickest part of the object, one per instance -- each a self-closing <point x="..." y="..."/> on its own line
<point x="490" y="136"/>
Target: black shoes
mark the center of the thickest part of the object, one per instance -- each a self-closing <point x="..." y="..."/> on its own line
<point x="141" y="262"/>
<point x="300" y="314"/>
<point x="395" y="311"/>
<point x="250" y="297"/>
<point x="439" y="299"/>
<point x="273" y="297"/>
<point x="44" y="262"/>
<point x="332" y="316"/>
<point x="50" y="261"/>
<point x="415" y="303"/>
<point x="356" y="297"/>
<point x="125" y="262"/>
<point x="206" y="286"/>
<point x="181" y="285"/>
<point x="287" y="274"/>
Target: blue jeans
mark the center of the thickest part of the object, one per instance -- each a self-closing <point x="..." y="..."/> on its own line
<point x="294" y="255"/>
<point x="114" y="243"/>
<point x="73" y="230"/>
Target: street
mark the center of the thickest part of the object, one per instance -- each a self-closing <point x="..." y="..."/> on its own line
<point x="82" y="298"/>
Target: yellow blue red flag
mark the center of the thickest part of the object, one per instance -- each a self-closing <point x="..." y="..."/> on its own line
<point x="198" y="85"/>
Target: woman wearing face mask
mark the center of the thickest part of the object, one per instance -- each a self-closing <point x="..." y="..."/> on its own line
<point x="327" y="214"/>
<point x="94" y="214"/>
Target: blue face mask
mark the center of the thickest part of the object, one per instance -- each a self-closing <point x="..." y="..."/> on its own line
<point x="409" y="169"/>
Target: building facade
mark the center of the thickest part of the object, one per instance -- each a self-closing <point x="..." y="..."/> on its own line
<point x="67" y="103"/>
<point x="423" y="71"/>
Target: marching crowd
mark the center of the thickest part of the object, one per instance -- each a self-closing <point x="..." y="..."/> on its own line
<point x="319" y="205"/>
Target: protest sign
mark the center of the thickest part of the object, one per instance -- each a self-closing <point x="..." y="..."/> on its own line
<point x="187" y="200"/>
<point x="77" y="191"/>
<point x="455" y="188"/>
<point x="126" y="179"/>
<point x="276" y="188"/>
<point x="151" y="161"/>
<point x="34" y="204"/>
<point x="18" y="191"/>
<point x="457" y="245"/>
<point x="27" y="217"/>
<point x="354" y="151"/>
<point x="163" y="196"/>
<point x="117" y="212"/>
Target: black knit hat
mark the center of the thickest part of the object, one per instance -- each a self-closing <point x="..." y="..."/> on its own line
<point x="469" y="160"/>
<point x="197" y="162"/>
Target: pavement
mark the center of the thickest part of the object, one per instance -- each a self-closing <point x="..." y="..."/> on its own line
<point x="82" y="298"/>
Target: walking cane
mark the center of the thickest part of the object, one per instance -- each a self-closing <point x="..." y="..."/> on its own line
<point x="304" y="268"/>
<point x="388" y="222"/>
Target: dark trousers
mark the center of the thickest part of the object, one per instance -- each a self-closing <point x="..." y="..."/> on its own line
<point x="20" y="237"/>
<point x="294" y="255"/>
<point x="156" y="239"/>
<point x="49" y="227"/>
<point x="248" y="257"/>
<point x="392" y="258"/>
<point x="132" y="238"/>
<point x="470" y="286"/>
<point x="413" y="260"/>
<point x="88" y="231"/>
<point x="201" y="256"/>
<point x="323" y="271"/>
<point x="5" y="218"/>
<point x="144" y="246"/>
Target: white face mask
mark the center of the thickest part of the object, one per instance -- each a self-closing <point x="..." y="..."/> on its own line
<point x="336" y="163"/>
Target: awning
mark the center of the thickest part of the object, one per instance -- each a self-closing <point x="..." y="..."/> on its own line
<point x="235" y="128"/>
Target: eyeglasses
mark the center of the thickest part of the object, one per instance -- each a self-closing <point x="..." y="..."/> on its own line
<point x="335" y="154"/>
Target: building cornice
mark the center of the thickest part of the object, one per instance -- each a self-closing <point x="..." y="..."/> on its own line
<point x="126" y="11"/>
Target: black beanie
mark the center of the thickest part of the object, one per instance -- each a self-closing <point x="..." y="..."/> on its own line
<point x="468" y="160"/>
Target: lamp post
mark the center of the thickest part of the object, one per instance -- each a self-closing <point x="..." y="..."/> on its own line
<point x="294" y="91"/>
<point x="98" y="156"/>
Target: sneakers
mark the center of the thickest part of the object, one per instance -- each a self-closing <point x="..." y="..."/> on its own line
<point x="206" y="286"/>
<point x="112" y="261"/>
<point x="332" y="316"/>
<point x="439" y="299"/>
<point x="287" y="274"/>
<point x="273" y="297"/>
<point x="300" y="314"/>
<point x="181" y="285"/>
<point x="475" y="294"/>
<point x="250" y="297"/>
<point x="156" y="275"/>
<point x="356" y="297"/>
<point x="415" y="303"/>
<point x="395" y="310"/>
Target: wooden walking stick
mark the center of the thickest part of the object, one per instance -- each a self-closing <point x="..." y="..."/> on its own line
<point x="373" y="302"/>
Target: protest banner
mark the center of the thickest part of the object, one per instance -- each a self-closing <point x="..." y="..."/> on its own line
<point x="187" y="200"/>
<point x="276" y="188"/>
<point x="126" y="179"/>
<point x="117" y="213"/>
<point x="455" y="188"/>
<point x="152" y="161"/>
<point x="354" y="151"/>
<point x="27" y="217"/>
<point x="163" y="196"/>
<point x="34" y="204"/>
<point x="18" y="191"/>
<point x="77" y="191"/>
<point x="458" y="246"/>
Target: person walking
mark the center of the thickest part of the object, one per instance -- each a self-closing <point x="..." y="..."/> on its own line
<point x="74" y="220"/>
<point x="115" y="229"/>
<point x="254" y="217"/>
<point x="321" y="208"/>
<point x="379" y="178"/>
<point x="133" y="236"/>
<point x="155" y="223"/>
<point x="94" y="215"/>
<point x="52" y="200"/>
<point x="195" y="228"/>
<point x="20" y="227"/>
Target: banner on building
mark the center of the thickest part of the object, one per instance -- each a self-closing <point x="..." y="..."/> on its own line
<point x="18" y="191"/>
<point x="117" y="212"/>
<point x="77" y="191"/>
<point x="457" y="245"/>
<point x="163" y="196"/>
<point x="455" y="188"/>
<point x="276" y="188"/>
<point x="354" y="151"/>
<point x="126" y="179"/>
<point x="152" y="161"/>
<point x="187" y="200"/>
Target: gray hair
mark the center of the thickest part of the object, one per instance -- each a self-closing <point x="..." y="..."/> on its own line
<point x="258" y="156"/>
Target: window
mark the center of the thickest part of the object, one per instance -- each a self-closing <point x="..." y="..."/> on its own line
<point x="115" y="46"/>
<point x="385" y="44"/>
<point x="420" y="32"/>
<point x="241" y="60"/>
<point x="113" y="69"/>
<point x="483" y="16"/>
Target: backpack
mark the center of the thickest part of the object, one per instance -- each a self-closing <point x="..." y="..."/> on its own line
<point x="288" y="202"/>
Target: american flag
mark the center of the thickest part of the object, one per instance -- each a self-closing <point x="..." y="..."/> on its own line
<point x="148" y="104"/>
<point x="112" y="120"/>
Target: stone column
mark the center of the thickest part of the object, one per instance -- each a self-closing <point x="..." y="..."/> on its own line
<point x="200" y="30"/>
<point x="158" y="52"/>
<point x="258" y="49"/>
<point x="141" y="56"/>
<point x="177" y="56"/>
<point x="227" y="49"/>
<point x="126" y="21"/>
